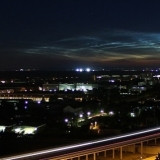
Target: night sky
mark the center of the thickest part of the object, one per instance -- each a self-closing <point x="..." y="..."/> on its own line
<point x="66" y="34"/>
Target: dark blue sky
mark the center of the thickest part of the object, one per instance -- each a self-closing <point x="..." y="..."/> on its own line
<point x="61" y="34"/>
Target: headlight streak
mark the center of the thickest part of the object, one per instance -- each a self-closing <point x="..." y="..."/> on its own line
<point x="119" y="143"/>
<point x="79" y="145"/>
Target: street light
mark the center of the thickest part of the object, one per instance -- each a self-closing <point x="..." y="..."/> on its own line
<point x="88" y="113"/>
<point x="102" y="111"/>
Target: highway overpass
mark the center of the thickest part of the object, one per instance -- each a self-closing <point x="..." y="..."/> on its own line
<point x="94" y="147"/>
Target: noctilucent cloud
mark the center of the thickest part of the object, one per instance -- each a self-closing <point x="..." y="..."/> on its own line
<point x="60" y="34"/>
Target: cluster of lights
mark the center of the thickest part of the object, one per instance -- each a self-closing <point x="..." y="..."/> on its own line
<point x="24" y="130"/>
<point x="81" y="70"/>
<point x="2" y="128"/>
<point x="111" y="113"/>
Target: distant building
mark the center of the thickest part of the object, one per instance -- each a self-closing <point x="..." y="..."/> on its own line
<point x="72" y="87"/>
<point x="27" y="129"/>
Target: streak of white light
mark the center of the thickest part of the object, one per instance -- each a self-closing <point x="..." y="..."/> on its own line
<point x="78" y="145"/>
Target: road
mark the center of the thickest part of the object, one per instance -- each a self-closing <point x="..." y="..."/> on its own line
<point x="91" y="146"/>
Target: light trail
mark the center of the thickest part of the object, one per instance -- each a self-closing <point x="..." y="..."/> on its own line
<point x="79" y="145"/>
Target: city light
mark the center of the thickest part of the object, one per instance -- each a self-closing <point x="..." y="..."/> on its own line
<point x="80" y="69"/>
<point x="2" y="128"/>
<point x="88" y="69"/>
<point x="102" y="111"/>
<point x="132" y="114"/>
<point x="88" y="113"/>
<point x="111" y="113"/>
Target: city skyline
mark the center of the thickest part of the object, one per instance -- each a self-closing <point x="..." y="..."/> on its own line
<point x="68" y="34"/>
